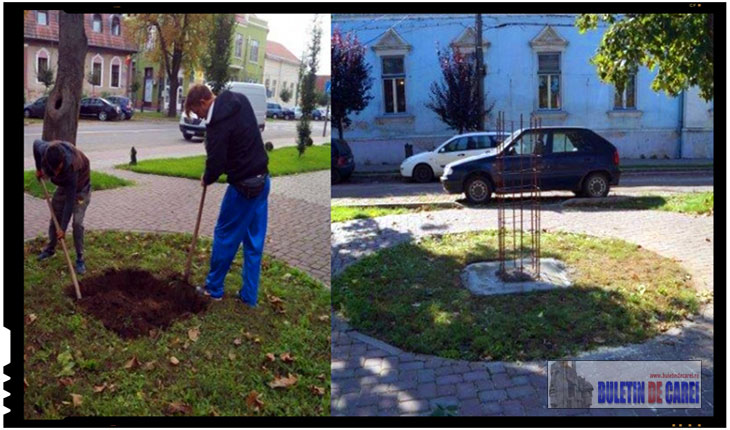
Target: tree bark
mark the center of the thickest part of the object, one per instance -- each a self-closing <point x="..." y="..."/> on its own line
<point x="174" y="83"/>
<point x="61" y="119"/>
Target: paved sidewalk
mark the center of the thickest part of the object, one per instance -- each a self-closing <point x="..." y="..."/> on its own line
<point x="299" y="213"/>
<point x="371" y="377"/>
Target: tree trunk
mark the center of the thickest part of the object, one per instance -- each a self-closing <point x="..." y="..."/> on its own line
<point x="174" y="83"/>
<point x="61" y="119"/>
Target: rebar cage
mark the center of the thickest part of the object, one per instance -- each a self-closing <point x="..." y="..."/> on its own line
<point x="517" y="195"/>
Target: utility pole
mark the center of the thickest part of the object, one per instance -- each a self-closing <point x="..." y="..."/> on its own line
<point x="480" y="70"/>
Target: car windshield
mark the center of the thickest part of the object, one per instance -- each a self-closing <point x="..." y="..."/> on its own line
<point x="508" y="140"/>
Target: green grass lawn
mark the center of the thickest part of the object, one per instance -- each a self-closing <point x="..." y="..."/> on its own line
<point x="153" y="115"/>
<point x="346" y="213"/>
<point x="700" y="203"/>
<point x="99" y="181"/>
<point x="70" y="352"/>
<point x="282" y="161"/>
<point x="411" y="296"/>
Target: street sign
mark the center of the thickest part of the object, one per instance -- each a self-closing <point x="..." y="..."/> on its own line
<point x="327" y="86"/>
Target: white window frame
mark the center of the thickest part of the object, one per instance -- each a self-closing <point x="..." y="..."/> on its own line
<point x="111" y="25"/>
<point x="38" y="57"/>
<point x="101" y="74"/>
<point x="253" y="44"/>
<point x="550" y="76"/>
<point x="238" y="46"/>
<point x="111" y="72"/>
<point x="101" y="23"/>
<point x="394" y="78"/>
<point x="623" y="107"/>
<point x="37" y="17"/>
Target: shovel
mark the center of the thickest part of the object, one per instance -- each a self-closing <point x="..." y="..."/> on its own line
<point x="186" y="276"/>
<point x="63" y="240"/>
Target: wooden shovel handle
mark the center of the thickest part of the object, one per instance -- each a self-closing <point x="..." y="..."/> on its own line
<point x="186" y="276"/>
<point x="63" y="240"/>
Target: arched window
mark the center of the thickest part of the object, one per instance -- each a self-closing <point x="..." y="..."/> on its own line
<point x="116" y="26"/>
<point x="42" y="62"/>
<point x="116" y="72"/>
<point x="254" y="54"/>
<point x="238" y="49"/>
<point x="97" y="65"/>
<point x="96" y="24"/>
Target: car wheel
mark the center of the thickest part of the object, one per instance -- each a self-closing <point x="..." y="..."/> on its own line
<point x="188" y="137"/>
<point x="336" y="177"/>
<point x="478" y="190"/>
<point x="275" y="116"/>
<point x="102" y="116"/>
<point x="595" y="185"/>
<point x="26" y="113"/>
<point x="128" y="117"/>
<point x="423" y="173"/>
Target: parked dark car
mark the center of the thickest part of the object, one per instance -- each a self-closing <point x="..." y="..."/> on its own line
<point x="124" y="104"/>
<point x="343" y="164"/>
<point x="288" y="113"/>
<point x="100" y="108"/>
<point x="36" y="109"/>
<point x="317" y="115"/>
<point x="568" y="158"/>
<point x="274" y="110"/>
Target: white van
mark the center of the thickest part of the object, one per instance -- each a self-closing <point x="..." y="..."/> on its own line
<point x="255" y="93"/>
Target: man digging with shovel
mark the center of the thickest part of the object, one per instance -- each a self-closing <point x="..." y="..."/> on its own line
<point x="234" y="146"/>
<point x="68" y="168"/>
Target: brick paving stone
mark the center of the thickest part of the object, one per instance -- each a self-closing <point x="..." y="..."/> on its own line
<point x="446" y="389"/>
<point x="492" y="395"/>
<point x="466" y="390"/>
<point x="521" y="388"/>
<point x="449" y="379"/>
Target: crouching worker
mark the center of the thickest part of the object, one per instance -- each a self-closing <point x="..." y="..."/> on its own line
<point x="68" y="168"/>
<point x="234" y="146"/>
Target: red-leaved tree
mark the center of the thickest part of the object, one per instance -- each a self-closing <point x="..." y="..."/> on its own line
<point x="351" y="80"/>
<point x="455" y="99"/>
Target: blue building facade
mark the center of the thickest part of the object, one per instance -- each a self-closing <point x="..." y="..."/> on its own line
<point x="537" y="65"/>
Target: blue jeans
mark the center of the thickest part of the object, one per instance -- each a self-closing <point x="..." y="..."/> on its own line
<point x="241" y="220"/>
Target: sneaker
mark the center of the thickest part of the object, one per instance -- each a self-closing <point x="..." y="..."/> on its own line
<point x="80" y="267"/>
<point x="45" y="254"/>
<point x="204" y="292"/>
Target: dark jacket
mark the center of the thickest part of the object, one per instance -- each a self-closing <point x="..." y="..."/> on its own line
<point x="233" y="141"/>
<point x="75" y="177"/>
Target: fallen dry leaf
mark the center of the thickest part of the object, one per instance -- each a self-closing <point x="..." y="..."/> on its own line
<point x="174" y="361"/>
<point x="286" y="357"/>
<point x="321" y="377"/>
<point x="317" y="391"/>
<point x="257" y="340"/>
<point x="231" y="356"/>
<point x="193" y="334"/>
<point x="179" y="408"/>
<point x="253" y="401"/>
<point x="208" y="355"/>
<point x="270" y="357"/>
<point x="66" y="381"/>
<point x="25" y="383"/>
<point x="77" y="399"/>
<point x="100" y="388"/>
<point x="281" y="382"/>
<point x="30" y="319"/>
<point x="274" y="300"/>
<point x="237" y="341"/>
<point x="132" y="363"/>
<point x="248" y="335"/>
<point x="599" y="339"/>
<point x="150" y="365"/>
<point x="324" y="318"/>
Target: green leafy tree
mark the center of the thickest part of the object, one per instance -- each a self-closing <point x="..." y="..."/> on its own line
<point x="309" y="95"/>
<point x="218" y="56"/>
<point x="680" y="45"/>
<point x="323" y="99"/>
<point x="47" y="77"/>
<point x="285" y="95"/>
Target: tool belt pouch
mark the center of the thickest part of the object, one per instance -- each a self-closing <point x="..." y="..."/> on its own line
<point x="251" y="187"/>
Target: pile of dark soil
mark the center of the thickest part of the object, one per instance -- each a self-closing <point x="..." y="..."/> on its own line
<point x="133" y="302"/>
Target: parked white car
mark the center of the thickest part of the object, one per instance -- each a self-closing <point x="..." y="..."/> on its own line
<point x="425" y="166"/>
<point x="256" y="93"/>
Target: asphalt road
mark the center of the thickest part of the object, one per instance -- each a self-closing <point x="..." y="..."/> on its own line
<point x="109" y="143"/>
<point x="629" y="184"/>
